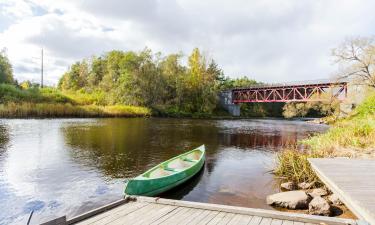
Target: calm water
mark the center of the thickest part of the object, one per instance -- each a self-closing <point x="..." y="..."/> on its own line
<point x="68" y="166"/>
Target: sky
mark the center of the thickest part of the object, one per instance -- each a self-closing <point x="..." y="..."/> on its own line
<point x="266" y="40"/>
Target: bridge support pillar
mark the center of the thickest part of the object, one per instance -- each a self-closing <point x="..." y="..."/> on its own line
<point x="225" y="99"/>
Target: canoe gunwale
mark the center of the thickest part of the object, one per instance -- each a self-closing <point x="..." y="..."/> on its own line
<point x="142" y="177"/>
<point x="146" y="186"/>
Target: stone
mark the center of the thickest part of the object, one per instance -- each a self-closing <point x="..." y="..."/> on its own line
<point x="289" y="186"/>
<point x="319" y="206"/>
<point x="335" y="199"/>
<point x="318" y="192"/>
<point x="306" y="185"/>
<point x="289" y="200"/>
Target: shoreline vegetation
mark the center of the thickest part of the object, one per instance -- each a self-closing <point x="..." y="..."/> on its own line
<point x="129" y="83"/>
<point x="352" y="136"/>
<point x="50" y="102"/>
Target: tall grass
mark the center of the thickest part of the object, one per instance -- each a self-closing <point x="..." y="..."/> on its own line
<point x="292" y="165"/>
<point x="29" y="109"/>
<point x="353" y="136"/>
<point x="50" y="102"/>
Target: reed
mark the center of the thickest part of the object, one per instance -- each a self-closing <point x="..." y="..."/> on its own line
<point x="29" y="109"/>
<point x="292" y="165"/>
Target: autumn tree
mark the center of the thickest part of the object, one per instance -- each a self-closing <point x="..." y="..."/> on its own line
<point x="6" y="71"/>
<point x="356" y="58"/>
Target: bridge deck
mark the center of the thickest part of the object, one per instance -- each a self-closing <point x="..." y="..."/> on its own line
<point x="146" y="210"/>
<point x="353" y="180"/>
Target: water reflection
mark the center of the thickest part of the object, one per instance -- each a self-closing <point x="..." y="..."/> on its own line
<point x="68" y="166"/>
<point x="4" y="137"/>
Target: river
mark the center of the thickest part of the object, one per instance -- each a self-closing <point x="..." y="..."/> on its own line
<point x="68" y="166"/>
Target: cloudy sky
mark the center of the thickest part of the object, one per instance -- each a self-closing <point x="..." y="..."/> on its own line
<point x="268" y="40"/>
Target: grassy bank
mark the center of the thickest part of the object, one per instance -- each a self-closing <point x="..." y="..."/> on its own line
<point x="50" y="102"/>
<point x="353" y="136"/>
<point x="27" y="109"/>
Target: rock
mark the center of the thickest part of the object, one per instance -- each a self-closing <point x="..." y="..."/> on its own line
<point x="319" y="206"/>
<point x="289" y="186"/>
<point x="305" y="185"/>
<point x="335" y="199"/>
<point x="289" y="199"/>
<point x="318" y="192"/>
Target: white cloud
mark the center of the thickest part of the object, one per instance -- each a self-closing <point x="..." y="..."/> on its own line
<point x="269" y="40"/>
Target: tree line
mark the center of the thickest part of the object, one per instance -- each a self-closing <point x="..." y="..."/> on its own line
<point x="147" y="79"/>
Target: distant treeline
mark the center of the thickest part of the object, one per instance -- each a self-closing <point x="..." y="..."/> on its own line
<point x="162" y="83"/>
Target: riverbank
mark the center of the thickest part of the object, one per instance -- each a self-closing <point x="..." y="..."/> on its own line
<point x="49" y="102"/>
<point x="42" y="110"/>
<point x="352" y="137"/>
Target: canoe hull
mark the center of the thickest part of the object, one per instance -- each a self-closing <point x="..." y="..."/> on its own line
<point x="153" y="187"/>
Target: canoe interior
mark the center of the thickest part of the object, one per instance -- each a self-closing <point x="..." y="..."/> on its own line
<point x="174" y="165"/>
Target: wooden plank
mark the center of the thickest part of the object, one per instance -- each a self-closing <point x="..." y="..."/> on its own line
<point x="250" y="211"/>
<point x="98" y="210"/>
<point x="208" y="218"/>
<point x="114" y="213"/>
<point x="184" y="217"/>
<point x="154" y="215"/>
<point x="298" y="223"/>
<point x="217" y="218"/>
<point x="287" y="222"/>
<point x="226" y="219"/>
<point x="236" y="219"/>
<point x="177" y="217"/>
<point x="111" y="215"/>
<point x="353" y="180"/>
<point x="199" y="217"/>
<point x="197" y="212"/>
<point x="276" y="222"/>
<point x="266" y="221"/>
<point x="255" y="220"/>
<point x="133" y="216"/>
<point x="245" y="219"/>
<point x="167" y="216"/>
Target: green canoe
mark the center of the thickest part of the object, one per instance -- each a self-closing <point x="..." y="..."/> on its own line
<point x="167" y="174"/>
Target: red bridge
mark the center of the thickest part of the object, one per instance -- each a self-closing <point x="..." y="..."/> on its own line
<point x="303" y="92"/>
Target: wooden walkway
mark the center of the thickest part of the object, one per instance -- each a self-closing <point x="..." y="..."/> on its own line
<point x="353" y="180"/>
<point x="146" y="210"/>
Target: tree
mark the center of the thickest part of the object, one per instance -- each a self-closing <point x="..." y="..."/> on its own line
<point x="330" y="106"/>
<point x="356" y="58"/>
<point x="6" y="71"/>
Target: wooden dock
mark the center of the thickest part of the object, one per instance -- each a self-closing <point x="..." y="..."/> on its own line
<point x="147" y="210"/>
<point x="353" y="180"/>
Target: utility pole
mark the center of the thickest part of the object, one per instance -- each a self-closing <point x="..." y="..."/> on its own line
<point x="41" y="71"/>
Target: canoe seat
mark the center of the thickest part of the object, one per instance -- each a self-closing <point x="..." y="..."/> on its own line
<point x="196" y="155"/>
<point x="189" y="160"/>
<point x="169" y="169"/>
<point x="179" y="164"/>
<point x="159" y="172"/>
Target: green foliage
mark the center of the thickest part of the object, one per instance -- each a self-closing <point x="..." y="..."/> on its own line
<point x="329" y="107"/>
<point x="147" y="79"/>
<point x="11" y="93"/>
<point x="356" y="131"/>
<point x="241" y="82"/>
<point x="6" y="71"/>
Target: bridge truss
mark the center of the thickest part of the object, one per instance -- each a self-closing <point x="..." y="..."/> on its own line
<point x="290" y="93"/>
